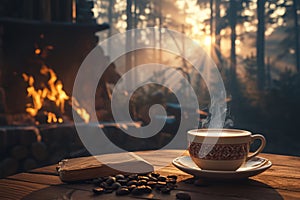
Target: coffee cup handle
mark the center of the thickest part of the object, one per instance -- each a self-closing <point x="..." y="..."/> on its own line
<point x="261" y="147"/>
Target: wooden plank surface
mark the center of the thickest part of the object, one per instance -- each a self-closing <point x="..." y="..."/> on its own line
<point x="281" y="181"/>
<point x="43" y="179"/>
<point x="51" y="170"/>
<point x="12" y="189"/>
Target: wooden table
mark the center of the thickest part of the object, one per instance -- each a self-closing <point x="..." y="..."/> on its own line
<point x="281" y="181"/>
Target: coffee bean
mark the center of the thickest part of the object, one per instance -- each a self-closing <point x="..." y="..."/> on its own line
<point x="143" y="178"/>
<point x="147" y="189"/>
<point x="132" y="182"/>
<point x="96" y="181"/>
<point x="152" y="178"/>
<point x="103" y="185"/>
<point x="156" y="175"/>
<point x="116" y="185"/>
<point x="171" y="180"/>
<point x="131" y="187"/>
<point x="122" y="191"/>
<point x="183" y="196"/>
<point x="123" y="181"/>
<point x="120" y="176"/>
<point x="162" y="178"/>
<point x="141" y="182"/>
<point x="161" y="183"/>
<point x="110" y="180"/>
<point x="172" y="176"/>
<point x="98" y="190"/>
<point x="133" y="177"/>
<point x="152" y="183"/>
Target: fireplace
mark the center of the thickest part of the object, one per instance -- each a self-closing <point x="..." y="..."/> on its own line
<point x="27" y="49"/>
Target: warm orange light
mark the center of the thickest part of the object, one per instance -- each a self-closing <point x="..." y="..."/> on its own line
<point x="54" y="92"/>
<point x="51" y="117"/>
<point x="74" y="11"/>
<point x="60" y="120"/>
<point x="80" y="111"/>
<point x="38" y="51"/>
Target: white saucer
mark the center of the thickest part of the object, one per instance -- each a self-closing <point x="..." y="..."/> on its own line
<point x="252" y="167"/>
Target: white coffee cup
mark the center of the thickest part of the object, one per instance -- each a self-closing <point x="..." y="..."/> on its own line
<point x="222" y="149"/>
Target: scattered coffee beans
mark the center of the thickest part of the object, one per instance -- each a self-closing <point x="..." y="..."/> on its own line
<point x="134" y="184"/>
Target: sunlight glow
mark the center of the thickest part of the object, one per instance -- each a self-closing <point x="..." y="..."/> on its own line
<point x="195" y="18"/>
<point x="192" y="17"/>
<point x="207" y="40"/>
<point x="147" y="11"/>
<point x="269" y="31"/>
<point x="248" y="12"/>
<point x="272" y="6"/>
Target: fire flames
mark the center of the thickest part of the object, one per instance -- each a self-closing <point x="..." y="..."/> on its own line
<point x="53" y="92"/>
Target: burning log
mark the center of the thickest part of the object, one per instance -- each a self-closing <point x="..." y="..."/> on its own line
<point x="48" y="103"/>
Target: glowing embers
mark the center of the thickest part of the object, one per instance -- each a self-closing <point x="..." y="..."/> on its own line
<point x="50" y="100"/>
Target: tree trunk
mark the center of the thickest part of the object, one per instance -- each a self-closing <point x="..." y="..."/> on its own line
<point x="295" y="9"/>
<point x="260" y="44"/>
<point x="217" y="33"/>
<point x="110" y="21"/>
<point x="129" y="35"/>
<point x="160" y="33"/>
<point x="128" y="55"/>
<point x="211" y="22"/>
<point x="233" y="21"/>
